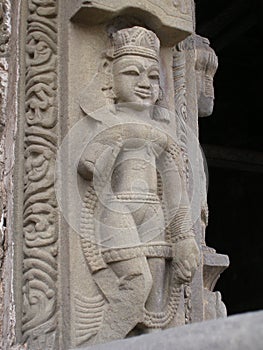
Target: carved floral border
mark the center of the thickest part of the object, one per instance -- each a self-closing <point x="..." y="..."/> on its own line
<point x="40" y="233"/>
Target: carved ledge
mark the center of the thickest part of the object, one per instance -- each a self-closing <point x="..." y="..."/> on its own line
<point x="214" y="265"/>
<point x="172" y="21"/>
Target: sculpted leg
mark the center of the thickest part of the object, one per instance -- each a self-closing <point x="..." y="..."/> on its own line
<point x="126" y="300"/>
<point x="155" y="301"/>
<point x="129" y="280"/>
<point x="152" y="230"/>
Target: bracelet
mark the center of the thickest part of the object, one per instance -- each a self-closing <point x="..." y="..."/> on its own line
<point x="183" y="236"/>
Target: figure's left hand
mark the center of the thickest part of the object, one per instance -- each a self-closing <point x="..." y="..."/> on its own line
<point x="186" y="259"/>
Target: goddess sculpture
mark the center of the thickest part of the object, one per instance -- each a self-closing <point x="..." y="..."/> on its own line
<point x="137" y="232"/>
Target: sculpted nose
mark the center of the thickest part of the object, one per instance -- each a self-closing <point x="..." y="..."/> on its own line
<point x="144" y="82"/>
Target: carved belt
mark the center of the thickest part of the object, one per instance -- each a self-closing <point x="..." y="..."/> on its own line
<point x="136" y="197"/>
<point x="153" y="250"/>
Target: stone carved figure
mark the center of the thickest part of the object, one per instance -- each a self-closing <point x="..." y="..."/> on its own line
<point x="205" y="67"/>
<point x="137" y="234"/>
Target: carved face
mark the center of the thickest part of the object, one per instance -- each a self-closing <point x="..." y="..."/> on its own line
<point x="136" y="80"/>
<point x="205" y="66"/>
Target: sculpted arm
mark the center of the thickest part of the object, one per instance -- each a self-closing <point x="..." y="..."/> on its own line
<point x="99" y="156"/>
<point x="97" y="161"/>
<point x="186" y="255"/>
<point x="87" y="162"/>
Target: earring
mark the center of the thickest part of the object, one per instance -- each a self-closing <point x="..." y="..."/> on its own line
<point x="160" y="97"/>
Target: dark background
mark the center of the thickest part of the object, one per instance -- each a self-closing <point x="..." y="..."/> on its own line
<point x="232" y="139"/>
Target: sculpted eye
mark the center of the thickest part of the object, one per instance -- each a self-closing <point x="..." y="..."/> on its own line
<point x="130" y="71"/>
<point x="154" y="75"/>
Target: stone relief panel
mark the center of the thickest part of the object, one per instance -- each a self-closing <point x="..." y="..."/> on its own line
<point x="136" y="231"/>
<point x="187" y="139"/>
<point x="39" y="320"/>
<point x="133" y="254"/>
<point x="197" y="51"/>
<point x="206" y="64"/>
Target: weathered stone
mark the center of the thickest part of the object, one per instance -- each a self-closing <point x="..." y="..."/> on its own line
<point x="123" y="161"/>
<point x="8" y="130"/>
<point x="108" y="192"/>
<point x="205" y="67"/>
<point x="214" y="264"/>
<point x="172" y="20"/>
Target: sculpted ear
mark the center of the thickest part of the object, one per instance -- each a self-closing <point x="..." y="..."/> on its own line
<point x="106" y="70"/>
<point x="105" y="65"/>
<point x="161" y="94"/>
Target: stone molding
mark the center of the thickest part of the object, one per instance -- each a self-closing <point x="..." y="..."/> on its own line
<point x="5" y="29"/>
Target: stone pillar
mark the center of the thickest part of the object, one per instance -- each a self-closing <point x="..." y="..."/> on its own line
<point x="102" y="179"/>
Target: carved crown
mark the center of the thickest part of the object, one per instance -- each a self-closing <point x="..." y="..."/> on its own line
<point x="136" y="41"/>
<point x="206" y="59"/>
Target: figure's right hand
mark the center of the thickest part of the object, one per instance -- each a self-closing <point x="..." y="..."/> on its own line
<point x="186" y="259"/>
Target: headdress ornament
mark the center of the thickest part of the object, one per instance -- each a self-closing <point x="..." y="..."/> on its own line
<point x="206" y="59"/>
<point x="136" y="41"/>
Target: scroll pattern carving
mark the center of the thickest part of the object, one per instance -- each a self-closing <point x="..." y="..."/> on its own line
<point x="39" y="216"/>
<point x="179" y="76"/>
<point x="179" y="70"/>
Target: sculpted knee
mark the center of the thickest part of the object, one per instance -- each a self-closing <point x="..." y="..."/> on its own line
<point x="148" y="282"/>
<point x="135" y="277"/>
<point x="140" y="282"/>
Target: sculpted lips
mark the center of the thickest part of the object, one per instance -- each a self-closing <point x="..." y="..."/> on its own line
<point x="143" y="93"/>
